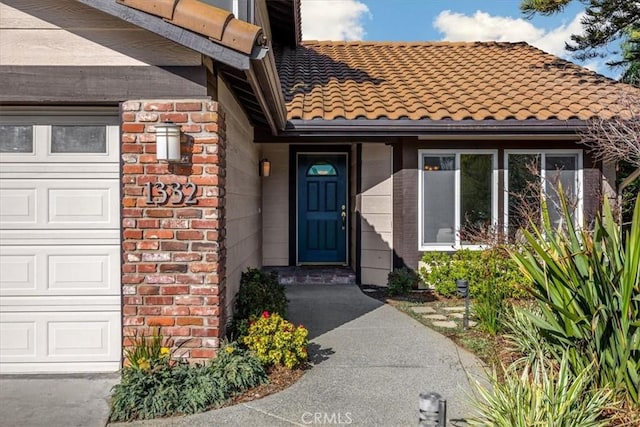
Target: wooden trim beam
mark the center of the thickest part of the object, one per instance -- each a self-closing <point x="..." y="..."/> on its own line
<point x="98" y="84"/>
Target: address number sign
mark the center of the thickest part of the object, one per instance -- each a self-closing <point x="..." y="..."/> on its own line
<point x="174" y="193"/>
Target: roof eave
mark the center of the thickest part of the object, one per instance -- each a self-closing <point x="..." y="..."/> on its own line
<point x="343" y="127"/>
<point x="174" y="33"/>
<point x="263" y="78"/>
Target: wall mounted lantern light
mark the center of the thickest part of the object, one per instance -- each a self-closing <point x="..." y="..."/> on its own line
<point x="168" y="142"/>
<point x="264" y="167"/>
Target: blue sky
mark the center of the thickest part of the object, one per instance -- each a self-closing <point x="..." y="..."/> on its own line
<point x="454" y="20"/>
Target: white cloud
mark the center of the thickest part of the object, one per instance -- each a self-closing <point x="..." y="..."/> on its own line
<point x="333" y="20"/>
<point x="484" y="27"/>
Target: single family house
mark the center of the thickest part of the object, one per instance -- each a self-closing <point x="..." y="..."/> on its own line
<point x="289" y="153"/>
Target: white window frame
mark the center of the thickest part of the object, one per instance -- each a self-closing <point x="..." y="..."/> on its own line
<point x="457" y="179"/>
<point x="579" y="214"/>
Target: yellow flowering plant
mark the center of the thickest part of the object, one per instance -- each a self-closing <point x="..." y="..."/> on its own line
<point x="276" y="341"/>
<point x="148" y="351"/>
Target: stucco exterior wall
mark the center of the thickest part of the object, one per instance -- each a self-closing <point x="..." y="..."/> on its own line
<point x="275" y="206"/>
<point x="243" y="199"/>
<point x="376" y="209"/>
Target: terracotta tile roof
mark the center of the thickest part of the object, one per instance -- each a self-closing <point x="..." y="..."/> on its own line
<point x="439" y="81"/>
<point x="217" y="24"/>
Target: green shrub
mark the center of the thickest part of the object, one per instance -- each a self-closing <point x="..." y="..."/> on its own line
<point x="237" y="368"/>
<point x="554" y="397"/>
<point x="587" y="285"/>
<point x="166" y="387"/>
<point x="276" y="341"/>
<point x="490" y="268"/>
<point x="400" y="281"/>
<point x="259" y="291"/>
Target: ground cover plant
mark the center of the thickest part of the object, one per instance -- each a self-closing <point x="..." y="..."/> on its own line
<point x="154" y="384"/>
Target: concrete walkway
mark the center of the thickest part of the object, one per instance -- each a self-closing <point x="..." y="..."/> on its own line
<point x="370" y="363"/>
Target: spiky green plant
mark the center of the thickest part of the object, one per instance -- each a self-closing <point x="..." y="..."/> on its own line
<point x="587" y="284"/>
<point x="524" y="340"/>
<point x="542" y="398"/>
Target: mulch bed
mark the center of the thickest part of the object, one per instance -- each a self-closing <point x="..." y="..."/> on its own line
<point x="280" y="378"/>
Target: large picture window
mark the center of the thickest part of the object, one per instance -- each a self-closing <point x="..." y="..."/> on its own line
<point x="457" y="192"/>
<point x="532" y="175"/>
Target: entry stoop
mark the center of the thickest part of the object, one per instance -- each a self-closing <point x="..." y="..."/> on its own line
<point x="310" y="275"/>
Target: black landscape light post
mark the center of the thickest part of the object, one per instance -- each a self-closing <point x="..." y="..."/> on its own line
<point x="463" y="290"/>
<point x="433" y="410"/>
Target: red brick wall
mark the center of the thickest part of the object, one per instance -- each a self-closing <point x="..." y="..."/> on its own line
<point x="173" y="274"/>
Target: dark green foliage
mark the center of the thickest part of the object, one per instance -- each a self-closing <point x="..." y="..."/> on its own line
<point x="400" y="281"/>
<point x="237" y="368"/>
<point x="175" y="387"/>
<point x="605" y="21"/>
<point x="259" y="292"/>
<point x="485" y="270"/>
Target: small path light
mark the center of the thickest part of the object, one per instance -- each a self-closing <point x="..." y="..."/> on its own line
<point x="463" y="290"/>
<point x="433" y="410"/>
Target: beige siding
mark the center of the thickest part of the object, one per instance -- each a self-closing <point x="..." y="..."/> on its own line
<point x="275" y="206"/>
<point x="243" y="200"/>
<point x="68" y="33"/>
<point x="375" y="206"/>
<point x="353" y="200"/>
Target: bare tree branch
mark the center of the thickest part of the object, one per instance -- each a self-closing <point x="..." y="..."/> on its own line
<point x="617" y="138"/>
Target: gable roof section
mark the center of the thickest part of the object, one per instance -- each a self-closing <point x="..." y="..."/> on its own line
<point x="239" y="48"/>
<point x="444" y="84"/>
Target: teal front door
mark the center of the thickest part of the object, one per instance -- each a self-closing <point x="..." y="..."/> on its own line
<point x="322" y="209"/>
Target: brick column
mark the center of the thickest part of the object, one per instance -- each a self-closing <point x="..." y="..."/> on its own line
<point x="174" y="252"/>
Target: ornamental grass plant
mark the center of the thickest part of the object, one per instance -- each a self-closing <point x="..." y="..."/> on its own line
<point x="587" y="286"/>
<point x="548" y="397"/>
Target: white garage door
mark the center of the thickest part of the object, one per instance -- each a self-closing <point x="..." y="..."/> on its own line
<point x="59" y="245"/>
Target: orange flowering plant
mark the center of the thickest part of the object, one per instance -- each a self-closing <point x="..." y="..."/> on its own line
<point x="277" y="341"/>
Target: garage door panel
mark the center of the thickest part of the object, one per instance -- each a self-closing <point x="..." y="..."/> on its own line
<point x="18" y="273"/>
<point x="60" y="204"/>
<point x="59" y="270"/>
<point x="17" y="339"/>
<point x="19" y="237"/>
<point x="60" y="336"/>
<point x="18" y="206"/>
<point x="39" y="147"/>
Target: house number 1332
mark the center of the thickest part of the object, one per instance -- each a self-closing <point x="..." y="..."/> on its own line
<point x="174" y="193"/>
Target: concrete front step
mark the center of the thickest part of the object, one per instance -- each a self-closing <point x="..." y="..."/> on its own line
<point x="314" y="275"/>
